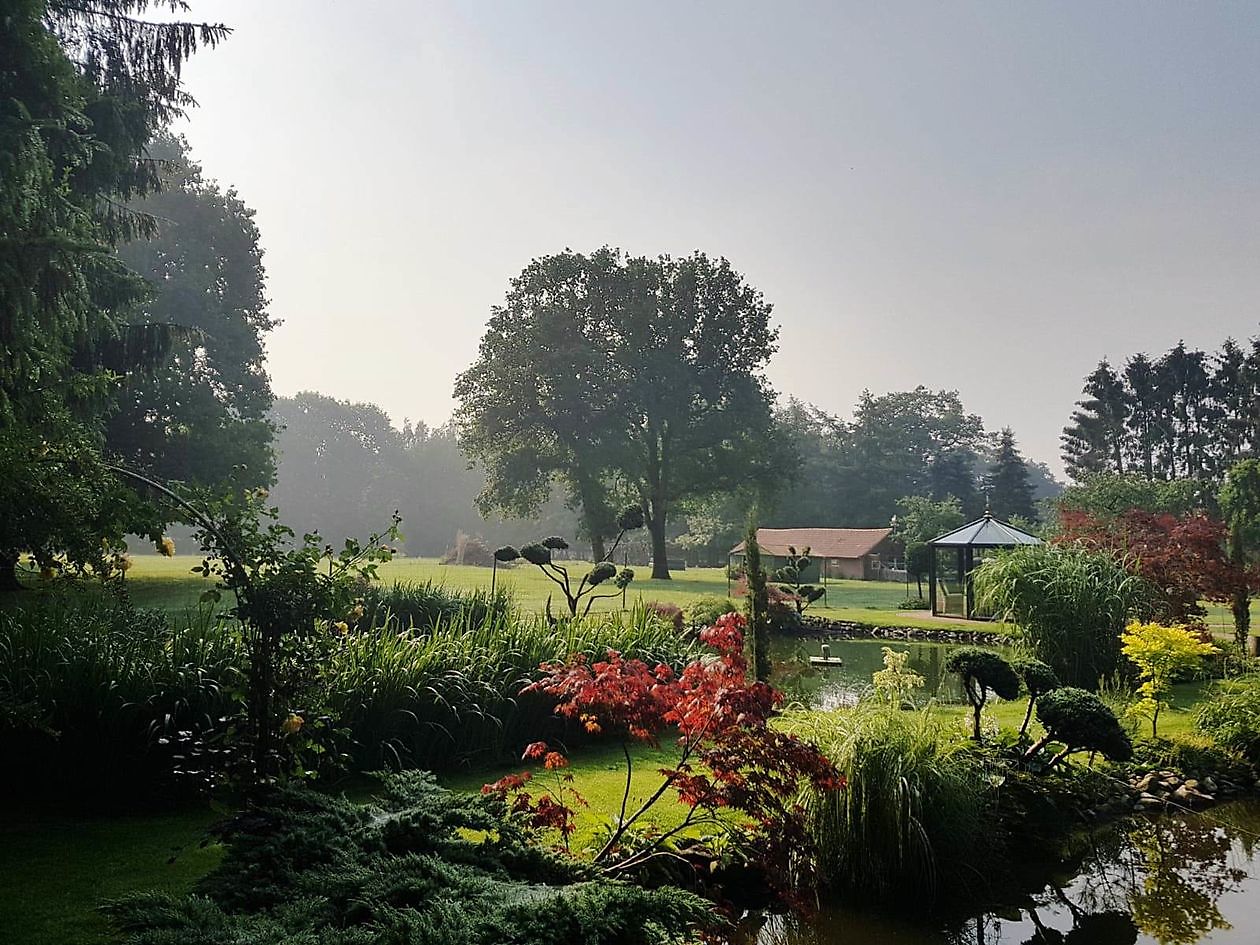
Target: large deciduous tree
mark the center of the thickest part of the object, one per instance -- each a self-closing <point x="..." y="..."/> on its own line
<point x="610" y="372"/>
<point x="202" y="418"/>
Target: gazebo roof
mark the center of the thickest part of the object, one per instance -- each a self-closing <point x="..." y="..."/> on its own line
<point x="986" y="532"/>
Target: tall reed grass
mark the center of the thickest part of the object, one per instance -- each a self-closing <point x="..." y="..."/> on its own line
<point x="96" y="696"/>
<point x="425" y="604"/>
<point x="914" y="818"/>
<point x="89" y="686"/>
<point x="450" y="694"/>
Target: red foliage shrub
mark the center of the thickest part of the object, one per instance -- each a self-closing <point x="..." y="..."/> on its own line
<point x="729" y="756"/>
<point x="1182" y="557"/>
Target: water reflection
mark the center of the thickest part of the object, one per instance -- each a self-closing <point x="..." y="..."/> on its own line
<point x="829" y="687"/>
<point x="1159" y="881"/>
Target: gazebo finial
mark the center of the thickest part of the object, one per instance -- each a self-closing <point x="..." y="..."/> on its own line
<point x="988" y="506"/>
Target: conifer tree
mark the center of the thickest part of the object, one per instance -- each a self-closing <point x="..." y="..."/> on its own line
<point x="1010" y="493"/>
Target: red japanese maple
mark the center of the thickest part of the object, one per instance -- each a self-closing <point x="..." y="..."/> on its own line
<point x="1183" y="558"/>
<point x="729" y="756"/>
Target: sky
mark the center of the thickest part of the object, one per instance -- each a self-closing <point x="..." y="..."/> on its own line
<point x="987" y="197"/>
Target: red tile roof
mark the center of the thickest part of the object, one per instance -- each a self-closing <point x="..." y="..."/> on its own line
<point x="822" y="542"/>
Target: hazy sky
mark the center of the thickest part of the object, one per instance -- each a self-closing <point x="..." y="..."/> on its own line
<point x="987" y="197"/>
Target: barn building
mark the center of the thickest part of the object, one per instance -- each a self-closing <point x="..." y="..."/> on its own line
<point x="860" y="554"/>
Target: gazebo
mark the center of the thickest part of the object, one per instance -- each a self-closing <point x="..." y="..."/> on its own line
<point x="955" y="557"/>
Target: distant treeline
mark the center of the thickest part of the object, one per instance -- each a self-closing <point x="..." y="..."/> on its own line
<point x="1187" y="414"/>
<point x="343" y="467"/>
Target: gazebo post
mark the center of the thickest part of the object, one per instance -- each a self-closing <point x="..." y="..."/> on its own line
<point x="931" y="577"/>
<point x="970" y="598"/>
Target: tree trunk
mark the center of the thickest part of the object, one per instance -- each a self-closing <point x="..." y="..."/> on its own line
<point x="1241" y="607"/>
<point x="8" y="572"/>
<point x="597" y="548"/>
<point x="660" y="556"/>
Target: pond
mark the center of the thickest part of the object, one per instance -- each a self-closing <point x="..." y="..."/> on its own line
<point x="1189" y="880"/>
<point x="829" y="687"/>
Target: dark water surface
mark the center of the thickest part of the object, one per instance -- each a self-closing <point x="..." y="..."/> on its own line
<point x="1181" y="880"/>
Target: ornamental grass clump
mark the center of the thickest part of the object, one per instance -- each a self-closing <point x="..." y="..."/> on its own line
<point x="914" y="820"/>
<point x="1231" y="716"/>
<point x="1069" y="602"/>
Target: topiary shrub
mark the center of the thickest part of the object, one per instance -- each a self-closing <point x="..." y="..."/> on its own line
<point x="1080" y="721"/>
<point x="1038" y="679"/>
<point x="982" y="671"/>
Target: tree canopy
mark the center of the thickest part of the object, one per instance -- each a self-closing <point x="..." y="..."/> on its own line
<point x="84" y="88"/>
<point x="202" y="419"/>
<point x="622" y="376"/>
<point x="1188" y="414"/>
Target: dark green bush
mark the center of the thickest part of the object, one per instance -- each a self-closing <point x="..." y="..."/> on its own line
<point x="97" y="697"/>
<point x="1081" y="722"/>
<point x="914" y="820"/>
<point x="423" y="867"/>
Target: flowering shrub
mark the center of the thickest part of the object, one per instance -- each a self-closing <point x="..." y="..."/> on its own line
<point x="730" y="759"/>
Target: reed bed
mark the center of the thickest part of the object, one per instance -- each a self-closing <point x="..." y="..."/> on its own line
<point x="449" y="694"/>
<point x="913" y="818"/>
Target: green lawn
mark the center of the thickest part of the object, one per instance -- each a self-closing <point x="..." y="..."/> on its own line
<point x="168" y="583"/>
<point x="56" y="869"/>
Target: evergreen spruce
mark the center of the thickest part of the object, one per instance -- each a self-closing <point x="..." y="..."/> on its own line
<point x="1010" y="494"/>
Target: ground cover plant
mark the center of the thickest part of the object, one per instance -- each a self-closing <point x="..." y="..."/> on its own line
<point x="421" y="865"/>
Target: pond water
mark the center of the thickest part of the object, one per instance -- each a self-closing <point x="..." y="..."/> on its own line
<point x="1189" y="880"/>
<point x="829" y="687"/>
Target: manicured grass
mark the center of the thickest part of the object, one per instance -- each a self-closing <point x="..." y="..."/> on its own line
<point x="56" y="869"/>
<point x="599" y="775"/>
<point x="169" y="584"/>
